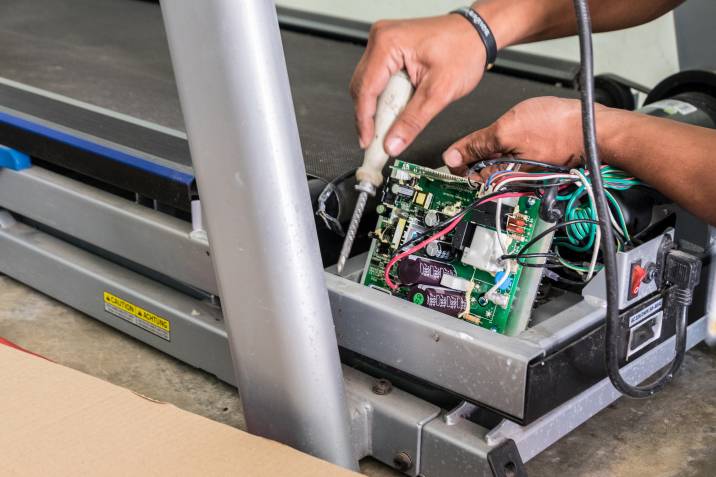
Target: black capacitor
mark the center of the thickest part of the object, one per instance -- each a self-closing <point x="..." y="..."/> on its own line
<point x="444" y="300"/>
<point x="440" y="250"/>
<point x="415" y="270"/>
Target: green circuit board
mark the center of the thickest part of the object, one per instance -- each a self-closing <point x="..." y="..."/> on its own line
<point x="413" y="200"/>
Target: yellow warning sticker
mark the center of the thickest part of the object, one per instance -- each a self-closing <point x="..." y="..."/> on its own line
<point x="138" y="316"/>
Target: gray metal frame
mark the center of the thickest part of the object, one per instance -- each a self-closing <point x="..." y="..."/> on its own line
<point x="276" y="317"/>
<point x="233" y="87"/>
<point x="394" y="427"/>
<point x="417" y="340"/>
<point x="111" y="223"/>
<point x="80" y="278"/>
<point x="408" y="337"/>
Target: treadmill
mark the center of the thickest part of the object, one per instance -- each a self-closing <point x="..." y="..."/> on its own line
<point x="108" y="218"/>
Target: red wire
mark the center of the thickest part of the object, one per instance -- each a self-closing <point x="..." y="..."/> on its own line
<point x="442" y="233"/>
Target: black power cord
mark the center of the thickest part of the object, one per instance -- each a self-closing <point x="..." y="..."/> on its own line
<point x="681" y="269"/>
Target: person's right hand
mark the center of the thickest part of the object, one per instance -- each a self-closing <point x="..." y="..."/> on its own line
<point x="445" y="59"/>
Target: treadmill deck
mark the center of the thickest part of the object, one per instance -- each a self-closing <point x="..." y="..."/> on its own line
<point x="82" y="49"/>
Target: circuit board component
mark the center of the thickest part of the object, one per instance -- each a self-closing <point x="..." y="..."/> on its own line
<point x="461" y="273"/>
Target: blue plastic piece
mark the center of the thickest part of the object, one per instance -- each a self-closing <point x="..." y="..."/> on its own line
<point x="505" y="286"/>
<point x="12" y="159"/>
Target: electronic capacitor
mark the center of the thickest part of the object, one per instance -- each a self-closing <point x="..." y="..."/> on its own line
<point x="450" y="302"/>
<point x="440" y="251"/>
<point x="415" y="270"/>
<point x="432" y="218"/>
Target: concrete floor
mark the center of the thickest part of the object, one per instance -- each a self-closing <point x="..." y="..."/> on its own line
<point x="672" y="434"/>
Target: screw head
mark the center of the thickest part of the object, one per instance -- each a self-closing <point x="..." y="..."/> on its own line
<point x="402" y="461"/>
<point x="650" y="273"/>
<point x="382" y="387"/>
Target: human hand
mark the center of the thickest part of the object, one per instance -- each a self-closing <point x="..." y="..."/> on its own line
<point x="545" y="129"/>
<point x="444" y="58"/>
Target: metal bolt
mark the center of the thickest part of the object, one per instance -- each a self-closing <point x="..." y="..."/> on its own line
<point x="650" y="273"/>
<point x="382" y="387"/>
<point x="402" y="461"/>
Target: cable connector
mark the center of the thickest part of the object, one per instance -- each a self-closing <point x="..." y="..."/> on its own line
<point x="683" y="273"/>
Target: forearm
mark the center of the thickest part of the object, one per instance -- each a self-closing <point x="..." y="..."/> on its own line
<point x="674" y="158"/>
<point x="523" y="21"/>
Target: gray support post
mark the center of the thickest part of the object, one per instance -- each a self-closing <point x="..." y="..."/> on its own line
<point x="234" y="91"/>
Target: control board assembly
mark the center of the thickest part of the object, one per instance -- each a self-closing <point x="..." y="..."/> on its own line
<point x="441" y="242"/>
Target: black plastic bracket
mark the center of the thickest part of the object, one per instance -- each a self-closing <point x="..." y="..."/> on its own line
<point x="505" y="460"/>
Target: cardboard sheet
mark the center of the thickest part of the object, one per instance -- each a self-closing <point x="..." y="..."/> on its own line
<point x="59" y="422"/>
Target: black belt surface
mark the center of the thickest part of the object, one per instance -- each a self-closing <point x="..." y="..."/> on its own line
<point x="113" y="53"/>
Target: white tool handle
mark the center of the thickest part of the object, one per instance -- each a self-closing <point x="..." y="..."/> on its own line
<point x="390" y="104"/>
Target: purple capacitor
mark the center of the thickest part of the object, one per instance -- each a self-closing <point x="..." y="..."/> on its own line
<point x="415" y="270"/>
<point x="444" y="300"/>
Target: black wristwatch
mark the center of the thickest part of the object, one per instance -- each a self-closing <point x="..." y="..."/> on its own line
<point x="484" y="31"/>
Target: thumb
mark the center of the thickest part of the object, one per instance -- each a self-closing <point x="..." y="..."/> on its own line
<point x="427" y="102"/>
<point x="480" y="145"/>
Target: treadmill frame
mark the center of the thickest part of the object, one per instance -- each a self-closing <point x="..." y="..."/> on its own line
<point x="60" y="252"/>
<point x="47" y="248"/>
<point x="395" y="428"/>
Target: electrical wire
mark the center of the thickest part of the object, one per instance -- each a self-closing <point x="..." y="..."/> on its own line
<point x="485" y="198"/>
<point x="613" y="327"/>
<point x="517" y="160"/>
<point x="505" y="276"/>
<point x="595" y="216"/>
<point x="579" y="231"/>
<point x="331" y="188"/>
<point x="449" y="227"/>
<point x="421" y="245"/>
<point x="545" y="233"/>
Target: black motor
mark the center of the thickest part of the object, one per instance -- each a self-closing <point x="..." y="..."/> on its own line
<point x="688" y="97"/>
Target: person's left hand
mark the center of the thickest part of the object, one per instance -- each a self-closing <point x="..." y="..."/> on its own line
<point x="546" y="129"/>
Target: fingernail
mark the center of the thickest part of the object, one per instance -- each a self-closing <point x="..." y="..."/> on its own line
<point x="361" y="143"/>
<point x="394" y="146"/>
<point x="452" y="158"/>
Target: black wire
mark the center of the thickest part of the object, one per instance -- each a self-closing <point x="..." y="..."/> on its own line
<point x="528" y="255"/>
<point x="540" y="265"/>
<point x="613" y="328"/>
<point x="332" y="186"/>
<point x="569" y="281"/>
<point x="447" y="222"/>
<point x="515" y="160"/>
<point x="551" y="229"/>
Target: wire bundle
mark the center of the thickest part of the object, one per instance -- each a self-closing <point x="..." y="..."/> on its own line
<point x="581" y="231"/>
<point x="582" y="234"/>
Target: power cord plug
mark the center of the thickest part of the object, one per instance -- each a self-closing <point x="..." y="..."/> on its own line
<point x="683" y="273"/>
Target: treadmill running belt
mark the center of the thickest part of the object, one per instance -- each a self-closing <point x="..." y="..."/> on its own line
<point x="113" y="53"/>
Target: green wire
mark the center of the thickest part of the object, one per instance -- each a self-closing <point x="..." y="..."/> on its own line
<point x="578" y="233"/>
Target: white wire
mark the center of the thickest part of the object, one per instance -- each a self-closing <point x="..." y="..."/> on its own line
<point x="498" y="225"/>
<point x="498" y="209"/>
<point x="530" y="179"/>
<point x="598" y="237"/>
<point x="573" y="174"/>
<point x="498" y="214"/>
<point x="502" y="281"/>
<point x="617" y="225"/>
